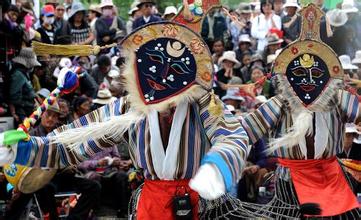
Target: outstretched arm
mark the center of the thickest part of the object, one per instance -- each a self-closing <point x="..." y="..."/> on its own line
<point x="263" y="120"/>
<point x="38" y="152"/>
<point x="226" y="158"/>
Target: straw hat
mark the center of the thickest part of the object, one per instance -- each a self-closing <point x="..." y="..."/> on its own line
<point x="351" y="128"/>
<point x="357" y="59"/>
<point x="244" y="38"/>
<point x="141" y="2"/>
<point x="230" y="56"/>
<point x="27" y="58"/>
<point x="75" y="8"/>
<point x="233" y="94"/>
<point x="113" y="73"/>
<point x="104" y="97"/>
<point x="54" y="108"/>
<point x="105" y="3"/>
<point x="271" y="58"/>
<point x="337" y="17"/>
<point x="291" y="3"/>
<point x="95" y="8"/>
<point x="133" y="7"/>
<point x="170" y="10"/>
<point x="346" y="62"/>
<point x="273" y="39"/>
<point x="349" y="7"/>
<point x="244" y="8"/>
<point x="44" y="93"/>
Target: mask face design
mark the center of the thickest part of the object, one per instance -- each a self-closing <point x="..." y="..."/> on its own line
<point x="308" y="75"/>
<point x="165" y="68"/>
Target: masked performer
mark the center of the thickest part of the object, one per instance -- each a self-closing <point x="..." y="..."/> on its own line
<point x="306" y="123"/>
<point x="177" y="131"/>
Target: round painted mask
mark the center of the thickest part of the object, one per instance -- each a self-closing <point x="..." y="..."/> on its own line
<point x="308" y="76"/>
<point x="165" y="60"/>
<point x="166" y="67"/>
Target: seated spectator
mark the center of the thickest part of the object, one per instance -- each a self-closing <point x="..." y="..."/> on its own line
<point x="278" y="7"/>
<point x="99" y="71"/>
<point x="41" y="95"/>
<point x="229" y="68"/>
<point x="217" y="52"/>
<point x="81" y="106"/>
<point x="49" y="121"/>
<point x="349" y="69"/>
<point x="244" y="46"/>
<point x="93" y="14"/>
<point x="78" y="27"/>
<point x="108" y="24"/>
<point x="146" y="7"/>
<point x="243" y="25"/>
<point x="342" y="35"/>
<point x="133" y="13"/>
<point x="64" y="117"/>
<point x="233" y="96"/>
<point x="104" y="97"/>
<point x="351" y="143"/>
<point x="21" y="93"/>
<point x="264" y="23"/>
<point x="257" y="72"/>
<point x="59" y="16"/>
<point x="357" y="61"/>
<point x="256" y="59"/>
<point x="11" y="34"/>
<point x="291" y="23"/>
<point x="47" y="29"/>
<point x="169" y="13"/>
<point x="214" y="27"/>
<point x="273" y="44"/>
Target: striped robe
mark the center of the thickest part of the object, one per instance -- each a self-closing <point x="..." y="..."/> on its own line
<point x="203" y="136"/>
<point x="274" y="118"/>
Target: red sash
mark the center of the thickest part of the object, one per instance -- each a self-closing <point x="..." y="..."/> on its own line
<point x="322" y="182"/>
<point x="156" y="199"/>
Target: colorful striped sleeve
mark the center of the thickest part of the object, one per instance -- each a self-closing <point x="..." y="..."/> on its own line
<point x="349" y="105"/>
<point x="261" y="121"/>
<point x="38" y="152"/>
<point x="229" y="143"/>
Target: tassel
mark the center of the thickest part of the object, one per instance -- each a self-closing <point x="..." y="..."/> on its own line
<point x="214" y="107"/>
<point x="42" y="49"/>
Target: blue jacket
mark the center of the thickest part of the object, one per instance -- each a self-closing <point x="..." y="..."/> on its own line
<point x="140" y="21"/>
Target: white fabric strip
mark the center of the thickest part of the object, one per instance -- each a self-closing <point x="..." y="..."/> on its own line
<point x="322" y="132"/>
<point x="165" y="164"/>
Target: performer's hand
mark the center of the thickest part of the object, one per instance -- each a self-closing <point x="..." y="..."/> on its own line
<point x="8" y="145"/>
<point x="251" y="169"/>
<point x="208" y="182"/>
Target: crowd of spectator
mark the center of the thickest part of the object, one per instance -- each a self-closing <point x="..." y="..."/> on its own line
<point x="244" y="42"/>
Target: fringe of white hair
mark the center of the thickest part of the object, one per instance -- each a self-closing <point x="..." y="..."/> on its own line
<point x="193" y="93"/>
<point x="302" y="117"/>
<point x="114" y="128"/>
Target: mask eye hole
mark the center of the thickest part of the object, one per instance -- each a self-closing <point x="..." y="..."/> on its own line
<point x="177" y="68"/>
<point x="299" y="72"/>
<point x="317" y="73"/>
<point x="156" y="58"/>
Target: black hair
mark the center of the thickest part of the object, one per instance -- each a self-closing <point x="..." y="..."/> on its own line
<point x="120" y="61"/>
<point x="14" y="9"/>
<point x="218" y="40"/>
<point x="78" y="101"/>
<point x="104" y="60"/>
<point x="265" y="2"/>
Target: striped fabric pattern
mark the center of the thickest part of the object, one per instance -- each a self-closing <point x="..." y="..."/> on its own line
<point x="202" y="134"/>
<point x="274" y="118"/>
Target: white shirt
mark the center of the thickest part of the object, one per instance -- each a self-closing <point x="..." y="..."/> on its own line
<point x="261" y="27"/>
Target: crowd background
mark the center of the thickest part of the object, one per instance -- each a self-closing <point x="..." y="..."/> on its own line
<point x="244" y="39"/>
